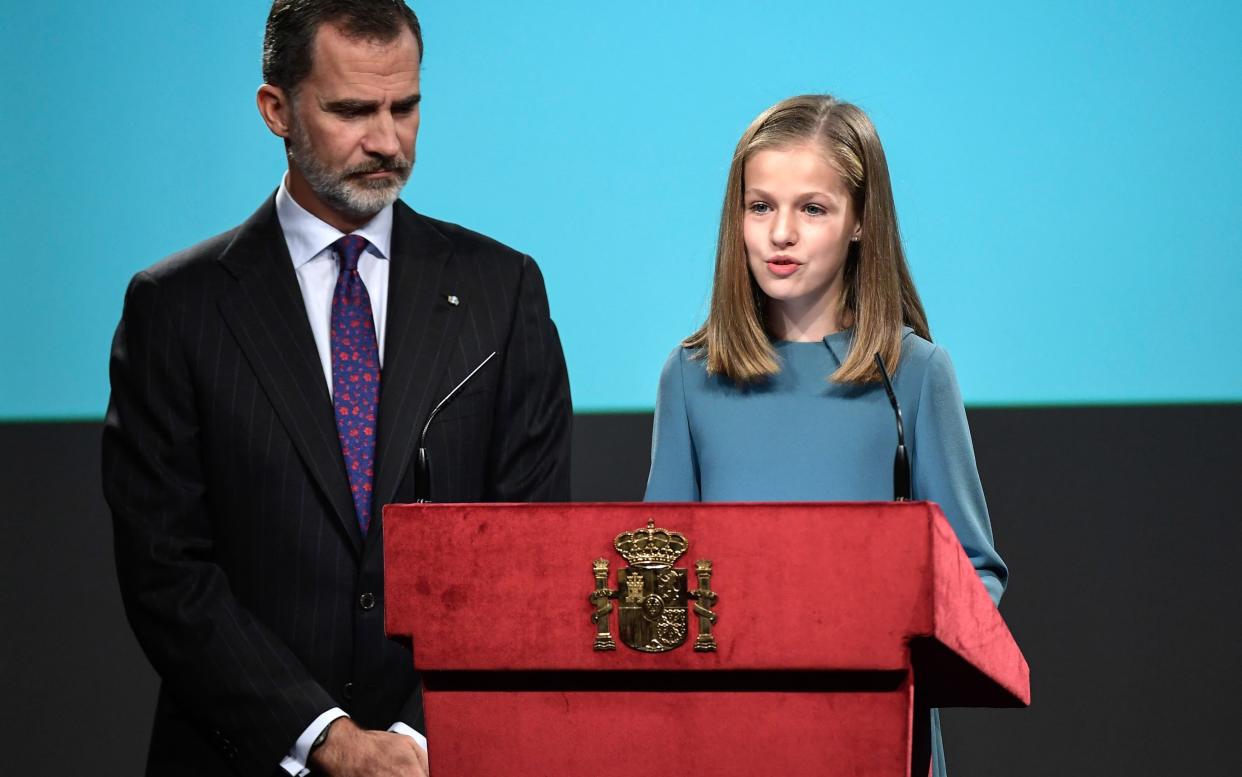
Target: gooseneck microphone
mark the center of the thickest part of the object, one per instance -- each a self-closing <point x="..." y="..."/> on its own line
<point x="901" y="461"/>
<point x="422" y="461"/>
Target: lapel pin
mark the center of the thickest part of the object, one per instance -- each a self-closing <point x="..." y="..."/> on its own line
<point x="453" y="300"/>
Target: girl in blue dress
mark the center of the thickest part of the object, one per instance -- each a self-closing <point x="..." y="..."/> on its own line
<point x="777" y="397"/>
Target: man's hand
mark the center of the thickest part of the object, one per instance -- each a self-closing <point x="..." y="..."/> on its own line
<point x="350" y="751"/>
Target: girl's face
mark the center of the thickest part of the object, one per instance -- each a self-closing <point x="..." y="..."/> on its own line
<point x="798" y="222"/>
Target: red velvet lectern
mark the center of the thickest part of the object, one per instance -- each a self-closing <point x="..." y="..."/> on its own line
<point x="836" y="626"/>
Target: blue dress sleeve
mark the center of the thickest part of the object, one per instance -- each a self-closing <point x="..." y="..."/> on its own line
<point x="944" y="470"/>
<point x="674" y="475"/>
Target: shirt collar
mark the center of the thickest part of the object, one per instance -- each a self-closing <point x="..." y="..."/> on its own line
<point x="307" y="236"/>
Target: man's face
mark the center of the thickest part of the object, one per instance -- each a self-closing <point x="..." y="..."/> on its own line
<point x="353" y="124"/>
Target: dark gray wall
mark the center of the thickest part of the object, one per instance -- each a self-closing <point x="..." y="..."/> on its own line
<point x="1120" y="526"/>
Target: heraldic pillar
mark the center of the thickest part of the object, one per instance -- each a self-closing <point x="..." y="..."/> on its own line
<point x="726" y="663"/>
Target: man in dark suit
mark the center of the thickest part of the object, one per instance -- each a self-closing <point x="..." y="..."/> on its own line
<point x="269" y="389"/>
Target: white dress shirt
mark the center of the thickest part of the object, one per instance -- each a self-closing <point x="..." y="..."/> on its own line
<point x="310" y="247"/>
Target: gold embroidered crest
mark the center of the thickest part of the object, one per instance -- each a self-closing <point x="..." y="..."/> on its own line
<point x="654" y="597"/>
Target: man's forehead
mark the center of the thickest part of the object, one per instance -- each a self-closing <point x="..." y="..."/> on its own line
<point x="343" y="62"/>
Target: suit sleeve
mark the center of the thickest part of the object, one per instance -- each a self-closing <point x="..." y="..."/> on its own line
<point x="529" y="452"/>
<point x="220" y="665"/>
<point x="674" y="475"/>
<point x="944" y="470"/>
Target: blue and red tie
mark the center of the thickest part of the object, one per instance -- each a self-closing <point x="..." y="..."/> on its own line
<point x="355" y="374"/>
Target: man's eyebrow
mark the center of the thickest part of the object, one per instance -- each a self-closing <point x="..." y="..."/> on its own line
<point x="349" y="106"/>
<point x="407" y="103"/>
<point x="366" y="106"/>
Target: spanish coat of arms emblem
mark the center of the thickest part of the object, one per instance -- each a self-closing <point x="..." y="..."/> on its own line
<point x="654" y="597"/>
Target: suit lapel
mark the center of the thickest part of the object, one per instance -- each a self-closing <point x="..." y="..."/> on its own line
<point x="420" y="338"/>
<point x="267" y="316"/>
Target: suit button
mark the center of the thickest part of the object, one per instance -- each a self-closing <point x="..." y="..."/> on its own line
<point x="367" y="601"/>
<point x="348" y="691"/>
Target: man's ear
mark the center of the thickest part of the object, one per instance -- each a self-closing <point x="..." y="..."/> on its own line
<point x="275" y="107"/>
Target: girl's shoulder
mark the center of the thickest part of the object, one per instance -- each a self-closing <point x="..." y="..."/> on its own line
<point x="925" y="364"/>
<point x="915" y="346"/>
<point x="684" y="364"/>
<point x="916" y="350"/>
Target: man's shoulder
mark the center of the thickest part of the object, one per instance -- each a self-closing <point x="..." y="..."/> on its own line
<point x="191" y="273"/>
<point x="199" y="262"/>
<point x="195" y="259"/>
<point x="466" y="243"/>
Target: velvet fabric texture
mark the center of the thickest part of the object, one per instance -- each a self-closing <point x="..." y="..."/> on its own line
<point x="831" y="618"/>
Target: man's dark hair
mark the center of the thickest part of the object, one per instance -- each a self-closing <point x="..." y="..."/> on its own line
<point x="289" y="40"/>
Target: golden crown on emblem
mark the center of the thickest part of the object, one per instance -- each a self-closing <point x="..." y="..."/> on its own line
<point x="651" y="546"/>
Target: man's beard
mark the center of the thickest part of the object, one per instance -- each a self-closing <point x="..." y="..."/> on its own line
<point x="346" y="191"/>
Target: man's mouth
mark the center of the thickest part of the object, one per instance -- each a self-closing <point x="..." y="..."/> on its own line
<point x="387" y="169"/>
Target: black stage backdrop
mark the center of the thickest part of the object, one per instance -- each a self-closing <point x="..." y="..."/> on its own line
<point x="1121" y="526"/>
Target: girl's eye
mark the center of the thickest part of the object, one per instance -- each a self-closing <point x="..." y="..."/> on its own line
<point x="815" y="210"/>
<point x="759" y="208"/>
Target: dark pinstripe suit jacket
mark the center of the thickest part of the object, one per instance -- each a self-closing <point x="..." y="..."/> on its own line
<point x="241" y="564"/>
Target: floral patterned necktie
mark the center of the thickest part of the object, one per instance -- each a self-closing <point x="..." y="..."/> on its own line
<point x="355" y="374"/>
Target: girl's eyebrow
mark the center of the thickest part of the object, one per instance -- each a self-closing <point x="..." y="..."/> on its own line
<point x="813" y="193"/>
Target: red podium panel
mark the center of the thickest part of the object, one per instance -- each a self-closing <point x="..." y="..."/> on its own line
<point x="830" y="618"/>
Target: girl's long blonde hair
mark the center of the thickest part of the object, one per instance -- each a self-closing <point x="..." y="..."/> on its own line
<point x="879" y="294"/>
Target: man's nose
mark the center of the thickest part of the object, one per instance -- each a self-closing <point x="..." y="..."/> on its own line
<point x="381" y="138"/>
